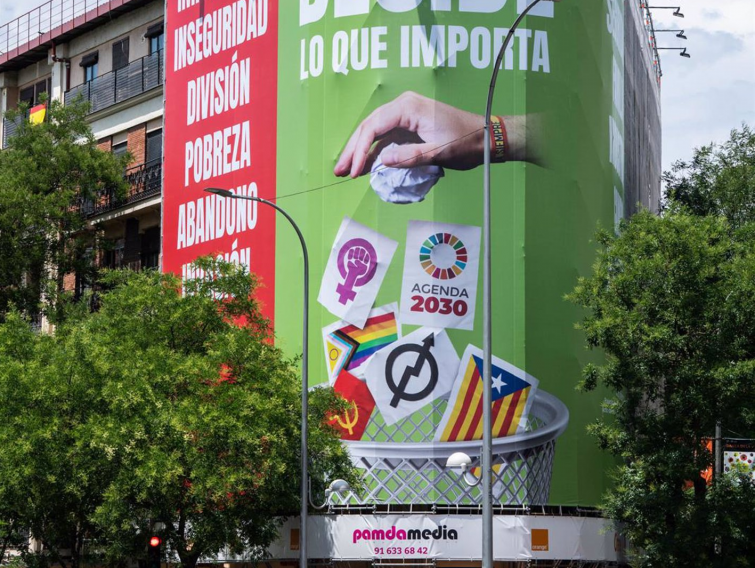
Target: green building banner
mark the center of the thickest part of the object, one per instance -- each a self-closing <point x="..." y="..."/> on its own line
<point x="364" y="121"/>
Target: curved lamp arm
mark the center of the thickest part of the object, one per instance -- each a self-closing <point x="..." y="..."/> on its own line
<point x="336" y="487"/>
<point x="304" y="365"/>
<point x="463" y="461"/>
<point x="466" y="475"/>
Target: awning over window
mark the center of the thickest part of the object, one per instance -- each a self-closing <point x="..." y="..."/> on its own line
<point x="154" y="30"/>
<point x="90" y="59"/>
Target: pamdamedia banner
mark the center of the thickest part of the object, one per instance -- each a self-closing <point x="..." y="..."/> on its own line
<point x="448" y="537"/>
<point x="363" y="120"/>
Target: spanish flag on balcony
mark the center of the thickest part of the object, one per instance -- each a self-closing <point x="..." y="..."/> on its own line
<point x="37" y="113"/>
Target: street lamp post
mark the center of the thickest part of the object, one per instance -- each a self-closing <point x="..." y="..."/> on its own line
<point x="680" y="33"/>
<point x="304" y="365"/>
<point x="487" y="348"/>
<point x="676" y="9"/>
<point x="682" y="50"/>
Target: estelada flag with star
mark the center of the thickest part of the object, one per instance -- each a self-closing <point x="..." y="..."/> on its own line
<point x="513" y="394"/>
<point x="353" y="421"/>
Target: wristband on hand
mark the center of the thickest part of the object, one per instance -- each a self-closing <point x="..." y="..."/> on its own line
<point x="498" y="138"/>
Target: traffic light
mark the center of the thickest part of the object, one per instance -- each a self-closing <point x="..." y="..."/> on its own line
<point x="154" y="552"/>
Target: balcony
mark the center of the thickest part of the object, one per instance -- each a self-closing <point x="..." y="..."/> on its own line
<point x="125" y="83"/>
<point x="27" y="39"/>
<point x="144" y="181"/>
<point x="10" y="126"/>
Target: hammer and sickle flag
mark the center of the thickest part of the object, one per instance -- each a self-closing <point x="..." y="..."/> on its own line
<point x="353" y="421"/>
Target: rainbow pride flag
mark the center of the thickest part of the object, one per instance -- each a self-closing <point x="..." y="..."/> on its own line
<point x="348" y="347"/>
<point x="513" y="394"/>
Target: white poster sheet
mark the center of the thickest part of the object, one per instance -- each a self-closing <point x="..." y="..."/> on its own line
<point x="357" y="265"/>
<point x="512" y="396"/>
<point x="439" y="287"/>
<point x="412" y="372"/>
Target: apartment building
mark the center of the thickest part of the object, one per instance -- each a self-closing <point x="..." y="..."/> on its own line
<point x="110" y="54"/>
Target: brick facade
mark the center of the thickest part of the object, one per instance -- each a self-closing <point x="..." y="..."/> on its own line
<point x="137" y="143"/>
<point x="69" y="282"/>
<point x="106" y="144"/>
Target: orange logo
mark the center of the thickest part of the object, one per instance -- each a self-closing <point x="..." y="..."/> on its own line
<point x="293" y="539"/>
<point x="540" y="539"/>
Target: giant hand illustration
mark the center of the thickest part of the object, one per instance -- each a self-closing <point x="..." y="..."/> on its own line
<point x="427" y="132"/>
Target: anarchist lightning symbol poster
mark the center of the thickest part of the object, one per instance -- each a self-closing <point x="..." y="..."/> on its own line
<point x="412" y="372"/>
<point x="357" y="265"/>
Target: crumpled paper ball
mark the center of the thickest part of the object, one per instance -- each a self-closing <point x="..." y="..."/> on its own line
<point x="403" y="185"/>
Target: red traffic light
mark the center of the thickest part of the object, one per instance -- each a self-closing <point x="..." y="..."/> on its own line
<point x="155" y="541"/>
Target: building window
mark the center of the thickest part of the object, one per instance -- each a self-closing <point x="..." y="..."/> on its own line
<point x="156" y="36"/>
<point x="150" y="243"/>
<point x="156" y="43"/>
<point x="120" y="149"/>
<point x="120" y="54"/>
<point x="27" y="96"/>
<point x="90" y="72"/>
<point x="113" y="257"/>
<point x="132" y="245"/>
<point x="154" y="146"/>
<point x="31" y="95"/>
<point x="89" y="64"/>
<point x="84" y="273"/>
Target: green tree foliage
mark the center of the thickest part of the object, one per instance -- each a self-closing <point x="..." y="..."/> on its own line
<point x="719" y="180"/>
<point x="160" y="410"/>
<point x="671" y="303"/>
<point x="45" y="171"/>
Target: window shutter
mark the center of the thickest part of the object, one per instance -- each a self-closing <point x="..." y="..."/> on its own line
<point x="120" y="54"/>
<point x="154" y="145"/>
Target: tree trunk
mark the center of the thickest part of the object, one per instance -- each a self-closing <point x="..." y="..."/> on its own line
<point x="77" y="548"/>
<point x="701" y="487"/>
<point x="6" y="541"/>
<point x="189" y="559"/>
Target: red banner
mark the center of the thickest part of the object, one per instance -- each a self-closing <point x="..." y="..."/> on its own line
<point x="221" y="68"/>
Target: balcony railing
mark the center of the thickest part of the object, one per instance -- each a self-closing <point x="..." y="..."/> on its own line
<point x="127" y="82"/>
<point x="48" y="20"/>
<point x="10" y="126"/>
<point x="144" y="181"/>
<point x="647" y="18"/>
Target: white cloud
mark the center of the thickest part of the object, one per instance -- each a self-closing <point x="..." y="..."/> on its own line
<point x="713" y="92"/>
<point x="12" y="9"/>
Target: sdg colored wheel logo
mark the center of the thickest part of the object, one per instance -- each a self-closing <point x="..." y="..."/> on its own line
<point x="443" y="256"/>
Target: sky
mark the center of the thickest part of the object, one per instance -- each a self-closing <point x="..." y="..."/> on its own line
<point x="703" y="98"/>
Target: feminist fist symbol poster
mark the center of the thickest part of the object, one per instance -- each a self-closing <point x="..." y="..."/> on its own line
<point x="357" y="263"/>
<point x="356" y="267"/>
